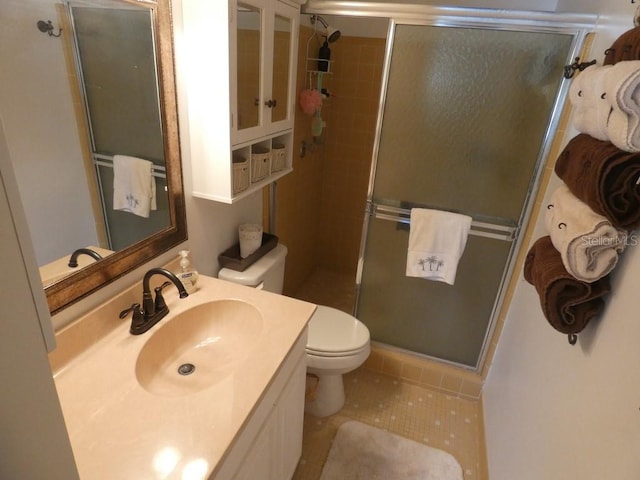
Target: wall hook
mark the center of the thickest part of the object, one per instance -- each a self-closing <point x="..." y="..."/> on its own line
<point x="569" y="70"/>
<point x="47" y="27"/>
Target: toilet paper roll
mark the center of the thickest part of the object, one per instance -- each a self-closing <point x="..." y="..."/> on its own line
<point x="250" y="238"/>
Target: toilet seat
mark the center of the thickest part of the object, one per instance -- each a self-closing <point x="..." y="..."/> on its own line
<point x="334" y="333"/>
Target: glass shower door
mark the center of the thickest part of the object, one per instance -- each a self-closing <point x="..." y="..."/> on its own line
<point x="464" y="121"/>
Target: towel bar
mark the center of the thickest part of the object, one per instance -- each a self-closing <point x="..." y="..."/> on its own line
<point x="107" y="161"/>
<point x="481" y="229"/>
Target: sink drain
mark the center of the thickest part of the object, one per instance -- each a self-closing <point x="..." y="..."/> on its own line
<point x="186" y="369"/>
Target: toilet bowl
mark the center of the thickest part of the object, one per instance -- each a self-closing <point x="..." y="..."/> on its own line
<point x="337" y="342"/>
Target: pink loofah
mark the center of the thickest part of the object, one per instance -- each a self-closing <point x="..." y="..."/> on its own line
<point x="310" y="100"/>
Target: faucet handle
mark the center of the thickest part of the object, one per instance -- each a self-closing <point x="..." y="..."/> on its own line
<point x="159" y="302"/>
<point x="135" y="308"/>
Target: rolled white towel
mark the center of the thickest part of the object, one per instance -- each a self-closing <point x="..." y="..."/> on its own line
<point x="591" y="108"/>
<point x="588" y="244"/>
<point x="622" y="89"/>
<point x="601" y="105"/>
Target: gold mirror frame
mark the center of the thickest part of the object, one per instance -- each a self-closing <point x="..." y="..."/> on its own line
<point x="91" y="278"/>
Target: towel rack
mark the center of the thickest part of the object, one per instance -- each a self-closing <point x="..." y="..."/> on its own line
<point x="107" y="161"/>
<point x="481" y="229"/>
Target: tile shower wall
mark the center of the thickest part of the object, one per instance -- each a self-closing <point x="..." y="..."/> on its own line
<point x="351" y="116"/>
<point x="321" y="204"/>
<point x="299" y="193"/>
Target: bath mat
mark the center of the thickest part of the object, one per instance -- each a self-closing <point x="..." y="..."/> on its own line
<point x="361" y="452"/>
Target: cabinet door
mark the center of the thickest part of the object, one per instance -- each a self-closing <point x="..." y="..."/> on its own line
<point x="290" y="419"/>
<point x="261" y="461"/>
<point x="247" y="33"/>
<point x="283" y="67"/>
<point x="264" y="46"/>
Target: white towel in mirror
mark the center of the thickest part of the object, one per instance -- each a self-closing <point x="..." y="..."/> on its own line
<point x="134" y="188"/>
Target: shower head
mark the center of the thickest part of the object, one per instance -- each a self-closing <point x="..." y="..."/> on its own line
<point x="332" y="34"/>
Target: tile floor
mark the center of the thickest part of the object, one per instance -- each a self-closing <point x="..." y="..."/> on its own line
<point x="436" y="419"/>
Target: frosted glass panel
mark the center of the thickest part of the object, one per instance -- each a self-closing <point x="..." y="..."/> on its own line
<point x="464" y="121"/>
<point x="465" y="115"/>
<point x="119" y="75"/>
<point x="423" y="316"/>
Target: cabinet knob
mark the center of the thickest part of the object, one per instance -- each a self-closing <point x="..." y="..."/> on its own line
<point x="270" y="103"/>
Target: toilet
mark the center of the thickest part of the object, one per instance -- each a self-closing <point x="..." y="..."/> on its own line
<point x="337" y="342"/>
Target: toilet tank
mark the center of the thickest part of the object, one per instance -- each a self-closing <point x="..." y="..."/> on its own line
<point x="268" y="271"/>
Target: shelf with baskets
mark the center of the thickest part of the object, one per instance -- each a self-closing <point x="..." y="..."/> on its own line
<point x="257" y="164"/>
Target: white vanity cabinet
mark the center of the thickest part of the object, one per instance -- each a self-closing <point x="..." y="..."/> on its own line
<point x="238" y="62"/>
<point x="270" y="445"/>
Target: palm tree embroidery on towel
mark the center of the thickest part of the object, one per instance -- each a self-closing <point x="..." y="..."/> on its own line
<point x="132" y="201"/>
<point x="432" y="260"/>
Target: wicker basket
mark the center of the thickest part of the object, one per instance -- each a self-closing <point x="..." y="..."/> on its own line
<point x="240" y="174"/>
<point x="278" y="157"/>
<point x="260" y="163"/>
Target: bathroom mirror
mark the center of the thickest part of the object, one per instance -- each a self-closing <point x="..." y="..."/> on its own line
<point x="45" y="117"/>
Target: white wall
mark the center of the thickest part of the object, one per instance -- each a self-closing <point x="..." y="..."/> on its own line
<point x="34" y="441"/>
<point x="36" y="105"/>
<point x="557" y="412"/>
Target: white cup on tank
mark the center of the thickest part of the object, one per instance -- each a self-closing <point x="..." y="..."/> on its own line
<point x="250" y="238"/>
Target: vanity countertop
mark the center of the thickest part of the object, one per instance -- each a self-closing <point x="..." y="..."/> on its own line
<point x="119" y="430"/>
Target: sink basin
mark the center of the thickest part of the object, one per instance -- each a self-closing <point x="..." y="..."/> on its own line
<point x="198" y="348"/>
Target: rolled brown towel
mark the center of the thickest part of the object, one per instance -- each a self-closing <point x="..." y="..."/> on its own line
<point x="604" y="177"/>
<point x="567" y="303"/>
<point x="626" y="47"/>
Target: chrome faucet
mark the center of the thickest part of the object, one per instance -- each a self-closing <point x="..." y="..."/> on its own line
<point x="73" y="260"/>
<point x="152" y="311"/>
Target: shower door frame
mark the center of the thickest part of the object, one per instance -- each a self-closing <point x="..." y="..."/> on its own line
<point x="576" y="26"/>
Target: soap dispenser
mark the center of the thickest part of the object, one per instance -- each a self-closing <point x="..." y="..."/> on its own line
<point x="187" y="274"/>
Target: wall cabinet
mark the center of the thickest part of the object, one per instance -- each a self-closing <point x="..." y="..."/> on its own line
<point x="270" y="445"/>
<point x="239" y="64"/>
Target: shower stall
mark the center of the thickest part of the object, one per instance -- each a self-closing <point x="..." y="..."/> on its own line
<point x="468" y="105"/>
<point x="466" y="114"/>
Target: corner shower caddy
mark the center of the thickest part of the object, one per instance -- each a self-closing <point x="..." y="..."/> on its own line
<point x="315" y="78"/>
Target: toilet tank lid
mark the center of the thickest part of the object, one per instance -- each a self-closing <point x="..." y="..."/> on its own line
<point x="254" y="274"/>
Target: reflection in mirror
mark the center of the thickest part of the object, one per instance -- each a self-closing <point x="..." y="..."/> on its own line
<point x="116" y="67"/>
<point x="281" y="52"/>
<point x="248" y="57"/>
<point x="103" y="91"/>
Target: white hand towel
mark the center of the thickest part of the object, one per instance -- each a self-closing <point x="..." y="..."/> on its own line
<point x="591" y="108"/>
<point x="436" y="243"/>
<point x="622" y="89"/>
<point x="134" y="188"/>
<point x="588" y="244"/>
